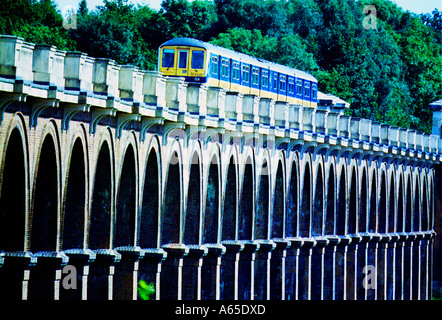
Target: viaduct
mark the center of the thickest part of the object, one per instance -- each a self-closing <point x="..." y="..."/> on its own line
<point x="128" y="175"/>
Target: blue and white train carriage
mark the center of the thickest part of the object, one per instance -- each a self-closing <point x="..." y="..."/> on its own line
<point x="202" y="62"/>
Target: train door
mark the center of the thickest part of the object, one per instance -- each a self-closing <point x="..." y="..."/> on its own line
<point x="282" y="88"/>
<point x="299" y="91"/>
<point x="254" y="81"/>
<point x="225" y="73"/>
<point x="183" y="61"/>
<point x="314" y="95"/>
<point x="306" y="94"/>
<point x="213" y="73"/>
<point x="197" y="65"/>
<point x="273" y="84"/>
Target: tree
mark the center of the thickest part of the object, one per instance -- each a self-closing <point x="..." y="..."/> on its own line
<point x="111" y="32"/>
<point x="434" y="21"/>
<point x="422" y="56"/>
<point x="288" y="50"/>
<point x="35" y="21"/>
<point x="82" y="8"/>
<point x="306" y="20"/>
<point x="179" y="18"/>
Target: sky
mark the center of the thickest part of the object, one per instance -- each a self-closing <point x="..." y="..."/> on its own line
<point x="416" y="6"/>
<point x="420" y="6"/>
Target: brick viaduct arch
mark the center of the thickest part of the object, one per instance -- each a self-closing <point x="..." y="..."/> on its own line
<point x="85" y="210"/>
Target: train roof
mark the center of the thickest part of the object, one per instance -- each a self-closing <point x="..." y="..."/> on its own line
<point x="243" y="57"/>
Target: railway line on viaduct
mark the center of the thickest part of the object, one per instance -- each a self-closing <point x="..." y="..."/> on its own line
<point x="129" y="175"/>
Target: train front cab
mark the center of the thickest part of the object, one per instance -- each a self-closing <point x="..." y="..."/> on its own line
<point x="182" y="61"/>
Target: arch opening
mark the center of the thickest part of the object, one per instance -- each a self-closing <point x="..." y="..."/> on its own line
<point x="262" y="206"/>
<point x="75" y="204"/>
<point x="362" y="227"/>
<point x="193" y="210"/>
<point x="353" y="204"/>
<point x="318" y="204"/>
<point x="172" y="203"/>
<point x="246" y="211"/>
<point x="400" y="207"/>
<point x="101" y="208"/>
<point x="126" y="202"/>
<point x="278" y="204"/>
<point x="425" y="207"/>
<point x="150" y="204"/>
<point x="292" y="203"/>
<point x="392" y="206"/>
<point x="305" y="213"/>
<point x="45" y="213"/>
<point x="408" y="207"/>
<point x="13" y="196"/>
<point x="230" y="204"/>
<point x="417" y="208"/>
<point x="383" y="205"/>
<point x="341" y="205"/>
<point x="373" y="205"/>
<point x="330" y="213"/>
<point x="211" y="214"/>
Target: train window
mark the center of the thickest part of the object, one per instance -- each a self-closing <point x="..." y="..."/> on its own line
<point x="307" y="90"/>
<point x="275" y="81"/>
<point x="197" y="59"/>
<point x="168" y="58"/>
<point x="314" y="92"/>
<point x="182" y="64"/>
<point x="282" y="83"/>
<point x="255" y="76"/>
<point x="265" y="78"/>
<point x="291" y="86"/>
<point x="245" y="73"/>
<point x="299" y="87"/>
<point x="215" y="66"/>
<point x="224" y="67"/>
<point x="235" y="70"/>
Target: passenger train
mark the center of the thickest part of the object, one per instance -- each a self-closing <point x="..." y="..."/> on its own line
<point x="202" y="62"/>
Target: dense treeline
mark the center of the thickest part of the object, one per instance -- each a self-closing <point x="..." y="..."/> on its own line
<point x="388" y="74"/>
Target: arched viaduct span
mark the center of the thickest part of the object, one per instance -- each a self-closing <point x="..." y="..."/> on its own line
<point x="128" y="175"/>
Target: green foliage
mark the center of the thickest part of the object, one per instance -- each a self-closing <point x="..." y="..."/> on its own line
<point x="112" y="31"/>
<point x="434" y="20"/>
<point x="267" y="16"/>
<point x="183" y="19"/>
<point x="287" y="50"/>
<point x="389" y="74"/>
<point x="35" y="21"/>
<point x="145" y="291"/>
